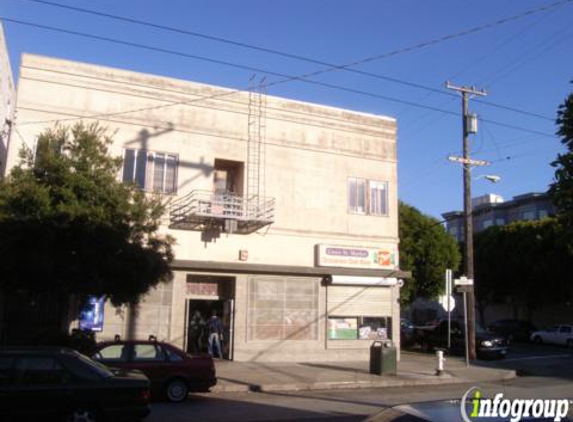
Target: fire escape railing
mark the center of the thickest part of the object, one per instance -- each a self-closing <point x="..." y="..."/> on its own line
<point x="200" y="209"/>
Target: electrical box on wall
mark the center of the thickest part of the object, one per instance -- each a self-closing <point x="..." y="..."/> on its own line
<point x="243" y="255"/>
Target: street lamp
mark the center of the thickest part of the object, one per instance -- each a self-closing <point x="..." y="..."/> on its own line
<point x="493" y="178"/>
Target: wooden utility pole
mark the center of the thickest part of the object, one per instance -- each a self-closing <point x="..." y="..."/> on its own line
<point x="469" y="126"/>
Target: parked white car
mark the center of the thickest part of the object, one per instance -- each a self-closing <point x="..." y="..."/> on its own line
<point x="558" y="334"/>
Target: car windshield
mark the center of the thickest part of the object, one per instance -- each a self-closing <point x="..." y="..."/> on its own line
<point x="100" y="368"/>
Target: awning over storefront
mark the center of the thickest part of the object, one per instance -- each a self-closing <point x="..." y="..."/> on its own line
<point x="364" y="281"/>
<point x="244" y="268"/>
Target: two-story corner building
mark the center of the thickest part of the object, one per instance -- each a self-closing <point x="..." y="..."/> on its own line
<point x="284" y="212"/>
<point x="7" y="100"/>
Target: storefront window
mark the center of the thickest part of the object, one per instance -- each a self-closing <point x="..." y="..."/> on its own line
<point x="342" y="328"/>
<point x="283" y="308"/>
<point x="359" y="328"/>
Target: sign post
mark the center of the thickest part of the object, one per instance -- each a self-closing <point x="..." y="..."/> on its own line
<point x="464" y="285"/>
<point x="449" y="298"/>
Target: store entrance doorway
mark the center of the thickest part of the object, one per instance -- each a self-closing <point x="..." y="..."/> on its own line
<point x="208" y="296"/>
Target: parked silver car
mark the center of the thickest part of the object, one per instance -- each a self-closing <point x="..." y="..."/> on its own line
<point x="558" y="334"/>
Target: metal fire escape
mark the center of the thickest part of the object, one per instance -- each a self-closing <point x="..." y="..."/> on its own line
<point x="256" y="146"/>
<point x="229" y="212"/>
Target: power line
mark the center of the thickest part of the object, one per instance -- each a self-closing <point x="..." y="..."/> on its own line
<point x="331" y="66"/>
<point x="287" y="78"/>
<point x="509" y="126"/>
<point x="299" y="57"/>
<point x="518" y="64"/>
<point x="495" y="48"/>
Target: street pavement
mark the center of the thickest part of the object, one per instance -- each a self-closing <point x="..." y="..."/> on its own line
<point x="547" y="372"/>
<point x="537" y="360"/>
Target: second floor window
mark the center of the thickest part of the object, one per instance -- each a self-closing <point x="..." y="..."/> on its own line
<point x="367" y="196"/>
<point x="357" y="195"/>
<point x="150" y="170"/>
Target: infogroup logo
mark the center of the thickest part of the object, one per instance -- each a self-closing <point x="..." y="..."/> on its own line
<point x="516" y="409"/>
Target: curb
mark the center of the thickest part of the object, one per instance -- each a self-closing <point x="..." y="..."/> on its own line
<point x="333" y="385"/>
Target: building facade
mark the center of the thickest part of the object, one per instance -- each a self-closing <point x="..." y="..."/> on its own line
<point x="7" y="100"/>
<point x="284" y="213"/>
<point x="492" y="210"/>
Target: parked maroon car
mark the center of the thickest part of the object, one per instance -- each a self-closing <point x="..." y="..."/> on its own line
<point x="172" y="372"/>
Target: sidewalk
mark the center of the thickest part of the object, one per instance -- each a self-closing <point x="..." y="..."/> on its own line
<point x="413" y="370"/>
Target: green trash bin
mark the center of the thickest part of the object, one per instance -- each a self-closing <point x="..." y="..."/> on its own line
<point x="383" y="358"/>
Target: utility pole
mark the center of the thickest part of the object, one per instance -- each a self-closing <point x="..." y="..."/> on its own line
<point x="469" y="126"/>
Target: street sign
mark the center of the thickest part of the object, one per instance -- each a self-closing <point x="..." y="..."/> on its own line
<point x="463" y="281"/>
<point x="468" y="161"/>
<point x="448" y="305"/>
<point x="449" y="277"/>
<point x="464" y="289"/>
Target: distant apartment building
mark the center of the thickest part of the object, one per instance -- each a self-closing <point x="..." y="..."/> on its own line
<point x="492" y="210"/>
<point x="7" y="100"/>
<point x="285" y="213"/>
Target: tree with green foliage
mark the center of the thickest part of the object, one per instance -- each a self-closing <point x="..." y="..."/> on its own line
<point x="525" y="263"/>
<point x="427" y="250"/>
<point x="68" y="225"/>
<point x="561" y="190"/>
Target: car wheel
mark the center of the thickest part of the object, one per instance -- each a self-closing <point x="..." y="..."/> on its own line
<point x="83" y="414"/>
<point x="537" y="340"/>
<point x="176" y="391"/>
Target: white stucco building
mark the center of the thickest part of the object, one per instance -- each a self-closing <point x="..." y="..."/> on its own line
<point x="7" y="100"/>
<point x="285" y="213"/>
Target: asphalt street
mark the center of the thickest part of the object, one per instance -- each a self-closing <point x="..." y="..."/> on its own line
<point x="546" y="372"/>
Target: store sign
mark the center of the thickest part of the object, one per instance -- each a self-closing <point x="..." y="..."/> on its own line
<point x="209" y="288"/>
<point x="363" y="281"/>
<point x="355" y="257"/>
<point x="91" y="316"/>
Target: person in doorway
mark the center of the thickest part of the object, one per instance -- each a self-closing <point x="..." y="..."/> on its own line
<point x="196" y="327"/>
<point x="215" y="330"/>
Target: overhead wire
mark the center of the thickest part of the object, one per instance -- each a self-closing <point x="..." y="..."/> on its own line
<point x="533" y="52"/>
<point x="330" y="66"/>
<point x="422" y="122"/>
<point x="473" y="62"/>
<point x="287" y="78"/>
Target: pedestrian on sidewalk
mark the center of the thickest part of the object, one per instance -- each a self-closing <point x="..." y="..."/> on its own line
<point x="215" y="330"/>
<point x="196" y="327"/>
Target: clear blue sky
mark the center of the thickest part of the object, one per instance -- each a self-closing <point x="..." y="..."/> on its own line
<point x="525" y="64"/>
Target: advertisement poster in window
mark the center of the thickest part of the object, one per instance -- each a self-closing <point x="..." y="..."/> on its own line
<point x="91" y="316"/>
<point x="342" y="328"/>
<point x="373" y="329"/>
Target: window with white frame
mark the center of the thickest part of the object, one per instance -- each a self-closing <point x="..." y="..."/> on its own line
<point x="357" y="195"/>
<point x="150" y="170"/>
<point x="378" y="197"/>
<point x="367" y="196"/>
